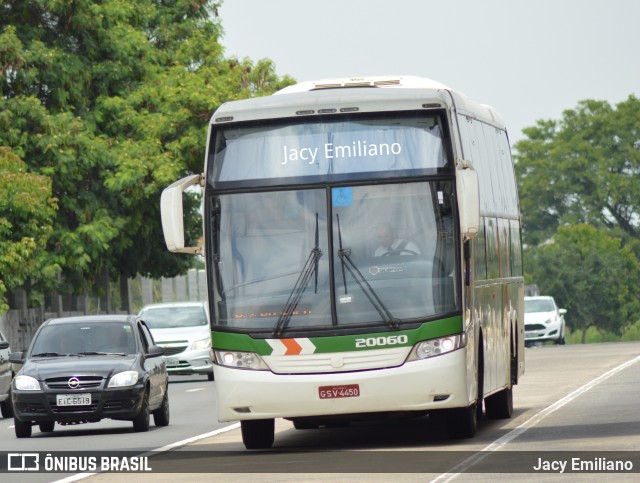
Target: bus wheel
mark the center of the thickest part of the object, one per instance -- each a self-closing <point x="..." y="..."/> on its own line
<point x="258" y="433"/>
<point x="462" y="422"/>
<point x="500" y="404"/>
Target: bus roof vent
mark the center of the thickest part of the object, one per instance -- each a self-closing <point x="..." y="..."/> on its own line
<point x="373" y="81"/>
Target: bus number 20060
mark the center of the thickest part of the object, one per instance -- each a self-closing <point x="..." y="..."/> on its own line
<point x="382" y="341"/>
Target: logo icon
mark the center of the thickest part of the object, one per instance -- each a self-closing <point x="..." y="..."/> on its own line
<point x="23" y="462"/>
<point x="385" y="269"/>
<point x="73" y="382"/>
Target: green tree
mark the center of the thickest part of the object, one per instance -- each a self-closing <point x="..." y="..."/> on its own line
<point x="110" y="100"/>
<point x="584" y="168"/>
<point x="591" y="274"/>
<point x="27" y="211"/>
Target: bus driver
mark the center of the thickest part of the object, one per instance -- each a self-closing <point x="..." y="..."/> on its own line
<point x="390" y="245"/>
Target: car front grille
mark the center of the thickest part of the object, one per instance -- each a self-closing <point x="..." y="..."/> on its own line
<point x="84" y="382"/>
<point x="174" y="347"/>
<point x="534" y="327"/>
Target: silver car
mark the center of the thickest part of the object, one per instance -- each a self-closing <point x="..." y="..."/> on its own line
<point x="5" y="378"/>
<point x="182" y="329"/>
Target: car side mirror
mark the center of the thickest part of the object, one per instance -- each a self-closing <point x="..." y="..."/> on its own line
<point x="16" y="357"/>
<point x="155" y="351"/>
<point x="562" y="311"/>
<point x="4" y="344"/>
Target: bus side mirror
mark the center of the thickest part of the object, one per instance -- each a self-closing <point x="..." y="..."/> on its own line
<point x="468" y="200"/>
<point x="172" y="214"/>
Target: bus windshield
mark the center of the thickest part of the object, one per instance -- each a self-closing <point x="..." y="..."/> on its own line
<point x="336" y="257"/>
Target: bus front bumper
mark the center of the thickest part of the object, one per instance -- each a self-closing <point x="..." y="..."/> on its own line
<point x="436" y="383"/>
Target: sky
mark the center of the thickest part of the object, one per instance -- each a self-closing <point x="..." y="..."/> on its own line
<point x="529" y="59"/>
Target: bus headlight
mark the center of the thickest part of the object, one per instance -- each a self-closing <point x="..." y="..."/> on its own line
<point x="436" y="347"/>
<point x="240" y="360"/>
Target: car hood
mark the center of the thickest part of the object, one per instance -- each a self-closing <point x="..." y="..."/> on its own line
<point x="102" y="366"/>
<point x="538" y="317"/>
<point x="180" y="333"/>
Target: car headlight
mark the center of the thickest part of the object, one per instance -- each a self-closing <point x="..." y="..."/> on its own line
<point x="26" y="383"/>
<point x="240" y="360"/>
<point x="548" y="321"/>
<point x="200" y="344"/>
<point x="436" y="347"/>
<point x="124" y="379"/>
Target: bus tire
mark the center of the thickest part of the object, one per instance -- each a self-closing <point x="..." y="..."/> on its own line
<point x="500" y="404"/>
<point x="462" y="423"/>
<point x="480" y="396"/>
<point x="258" y="433"/>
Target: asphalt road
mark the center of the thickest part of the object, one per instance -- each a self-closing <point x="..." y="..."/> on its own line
<point x="192" y="403"/>
<point x="572" y="399"/>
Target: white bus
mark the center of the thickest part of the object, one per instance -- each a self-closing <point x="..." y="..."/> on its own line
<point x="363" y="248"/>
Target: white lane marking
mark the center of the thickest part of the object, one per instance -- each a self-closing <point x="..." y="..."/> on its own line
<point x="231" y="427"/>
<point x="196" y="389"/>
<point x="532" y="421"/>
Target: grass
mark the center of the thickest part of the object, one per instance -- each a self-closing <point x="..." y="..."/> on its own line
<point x="594" y="336"/>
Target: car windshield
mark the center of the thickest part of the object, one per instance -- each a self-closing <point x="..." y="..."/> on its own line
<point x="174" y="317"/>
<point x="538" y="305"/>
<point x="84" y="339"/>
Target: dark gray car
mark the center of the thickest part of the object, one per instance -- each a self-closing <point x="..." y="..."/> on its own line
<point x="84" y="369"/>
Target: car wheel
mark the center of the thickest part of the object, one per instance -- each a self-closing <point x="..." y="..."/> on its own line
<point x="47" y="426"/>
<point x="6" y="408"/>
<point x="22" y="428"/>
<point x="258" y="433"/>
<point x="561" y="339"/>
<point x="161" y="415"/>
<point x="141" y="421"/>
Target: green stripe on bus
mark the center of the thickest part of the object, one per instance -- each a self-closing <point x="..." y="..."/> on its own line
<point x="346" y="343"/>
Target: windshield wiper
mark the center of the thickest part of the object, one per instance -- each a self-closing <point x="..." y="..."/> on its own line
<point x="94" y="353"/>
<point x="381" y="308"/>
<point x="310" y="266"/>
<point x="48" y="354"/>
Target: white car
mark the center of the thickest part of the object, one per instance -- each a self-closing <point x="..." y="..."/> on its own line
<point x="543" y="320"/>
<point x="183" y="331"/>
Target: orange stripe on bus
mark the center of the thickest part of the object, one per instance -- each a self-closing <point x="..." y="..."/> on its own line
<point x="293" y="348"/>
